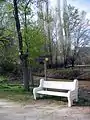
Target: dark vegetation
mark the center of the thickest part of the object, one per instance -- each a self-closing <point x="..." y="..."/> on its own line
<point x="14" y="72"/>
<point x="60" y="73"/>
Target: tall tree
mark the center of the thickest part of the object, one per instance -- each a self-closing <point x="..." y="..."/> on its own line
<point x="48" y="27"/>
<point x="60" y="37"/>
<point x="72" y="32"/>
<point x="67" y="39"/>
<point x="23" y="56"/>
<point x="79" y="28"/>
<point x="45" y="20"/>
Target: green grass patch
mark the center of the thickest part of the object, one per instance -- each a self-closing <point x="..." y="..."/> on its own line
<point x="3" y="79"/>
<point x="15" y="93"/>
<point x="18" y="97"/>
<point x="11" y="87"/>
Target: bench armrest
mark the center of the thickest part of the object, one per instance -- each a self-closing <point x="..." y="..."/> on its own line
<point x="37" y="89"/>
<point x="73" y="94"/>
<point x="40" y="86"/>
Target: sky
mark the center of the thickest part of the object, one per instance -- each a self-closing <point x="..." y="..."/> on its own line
<point x="80" y="4"/>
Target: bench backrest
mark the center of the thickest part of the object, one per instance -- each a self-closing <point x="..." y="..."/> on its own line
<point x="59" y="85"/>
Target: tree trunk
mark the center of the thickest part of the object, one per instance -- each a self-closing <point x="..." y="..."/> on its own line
<point x="23" y="58"/>
<point x="25" y="74"/>
<point x="31" y="77"/>
<point x="48" y="30"/>
<point x="45" y="69"/>
<point x="73" y="62"/>
<point x="56" y="59"/>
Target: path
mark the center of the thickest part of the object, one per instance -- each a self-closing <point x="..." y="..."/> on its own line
<point x="42" y="111"/>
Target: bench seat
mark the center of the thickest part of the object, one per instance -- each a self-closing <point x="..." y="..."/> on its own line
<point x="56" y="88"/>
<point x="45" y="92"/>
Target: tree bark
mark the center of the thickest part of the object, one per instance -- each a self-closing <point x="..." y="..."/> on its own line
<point x="48" y="30"/>
<point x="23" y="57"/>
<point x="25" y="74"/>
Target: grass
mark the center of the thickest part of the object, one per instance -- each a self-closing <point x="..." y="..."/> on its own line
<point x="3" y="79"/>
<point x="14" y="92"/>
<point x="17" y="97"/>
<point x="83" y="102"/>
<point x="17" y="94"/>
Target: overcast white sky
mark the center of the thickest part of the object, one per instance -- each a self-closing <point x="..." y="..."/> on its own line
<point x="80" y="4"/>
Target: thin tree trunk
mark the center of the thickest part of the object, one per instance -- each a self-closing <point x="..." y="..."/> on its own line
<point x="25" y="74"/>
<point x="60" y="31"/>
<point x="31" y="77"/>
<point x="48" y="29"/>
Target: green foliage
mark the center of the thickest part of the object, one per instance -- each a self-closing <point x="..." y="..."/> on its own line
<point x="34" y="42"/>
<point x="8" y="48"/>
<point x="8" y="57"/>
<point x="3" y="79"/>
<point x="2" y="0"/>
<point x="9" y="7"/>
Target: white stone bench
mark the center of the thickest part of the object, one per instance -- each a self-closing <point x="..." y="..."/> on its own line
<point x="55" y="87"/>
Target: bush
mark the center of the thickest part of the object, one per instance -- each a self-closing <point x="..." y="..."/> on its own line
<point x="12" y="71"/>
<point x="7" y="67"/>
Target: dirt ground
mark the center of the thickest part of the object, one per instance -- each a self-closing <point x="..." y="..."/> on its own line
<point x="46" y="110"/>
<point x="85" y="84"/>
<point x="42" y="111"/>
<point x="84" y="90"/>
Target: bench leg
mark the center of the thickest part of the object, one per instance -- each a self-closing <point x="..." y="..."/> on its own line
<point x="70" y="102"/>
<point x="76" y="98"/>
<point x="35" y="97"/>
<point x="41" y="96"/>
